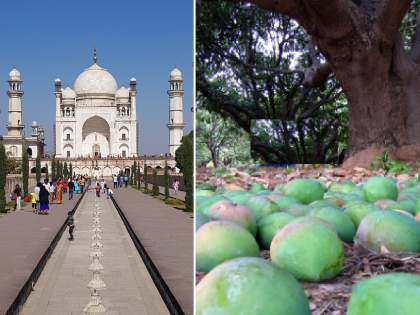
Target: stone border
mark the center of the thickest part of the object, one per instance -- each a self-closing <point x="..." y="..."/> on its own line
<point x="166" y="294"/>
<point x="21" y="298"/>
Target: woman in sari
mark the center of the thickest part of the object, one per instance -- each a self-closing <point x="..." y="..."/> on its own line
<point x="59" y="191"/>
<point x="76" y="187"/>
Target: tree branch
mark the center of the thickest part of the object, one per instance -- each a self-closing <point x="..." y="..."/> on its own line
<point x="389" y="14"/>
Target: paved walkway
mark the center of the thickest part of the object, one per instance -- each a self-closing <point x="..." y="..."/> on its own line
<point x="24" y="238"/>
<point x="167" y="234"/>
<point x="180" y="195"/>
<point x="62" y="287"/>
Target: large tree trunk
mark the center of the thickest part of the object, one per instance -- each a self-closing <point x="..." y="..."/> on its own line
<point x="382" y="88"/>
<point x="361" y="43"/>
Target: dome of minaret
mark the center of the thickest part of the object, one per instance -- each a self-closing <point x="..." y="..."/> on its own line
<point x="14" y="75"/>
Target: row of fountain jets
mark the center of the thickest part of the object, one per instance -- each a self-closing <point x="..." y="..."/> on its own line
<point x="96" y="284"/>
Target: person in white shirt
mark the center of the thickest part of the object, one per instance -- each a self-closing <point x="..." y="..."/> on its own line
<point x="110" y="193"/>
<point x="103" y="185"/>
<point x="115" y="179"/>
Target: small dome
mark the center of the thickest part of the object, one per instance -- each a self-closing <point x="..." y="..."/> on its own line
<point x="57" y="80"/>
<point x="122" y="92"/>
<point x="95" y="80"/>
<point x="14" y="75"/>
<point x="34" y="124"/>
<point x="176" y="74"/>
<point x="69" y="93"/>
<point x="133" y="79"/>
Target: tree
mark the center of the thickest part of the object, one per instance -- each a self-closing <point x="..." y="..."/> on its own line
<point x="13" y="166"/>
<point x="138" y="176"/>
<point x="71" y="170"/>
<point x="374" y="56"/>
<point x="53" y="168"/>
<point x="25" y="172"/>
<point x="59" y="170"/>
<point x="3" y="174"/>
<point x="221" y="139"/>
<point x="155" y="190"/>
<point x="184" y="157"/>
<point x="234" y="81"/>
<point x="46" y="172"/>
<point x="38" y="168"/>
<point x="146" y="186"/>
<point x="166" y="175"/>
<point x="65" y="171"/>
<point x="133" y="174"/>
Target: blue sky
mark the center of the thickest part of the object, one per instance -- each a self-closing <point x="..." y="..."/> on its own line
<point x="145" y="38"/>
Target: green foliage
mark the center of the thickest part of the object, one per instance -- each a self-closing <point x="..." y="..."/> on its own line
<point x="66" y="171"/>
<point x="147" y="192"/>
<point x="220" y="140"/>
<point x="46" y="172"/>
<point x="38" y="168"/>
<point x="146" y="185"/>
<point x="71" y="170"/>
<point x="25" y="172"/>
<point x="3" y="174"/>
<point x="12" y="203"/>
<point x="53" y="168"/>
<point x="184" y="157"/>
<point x="133" y="174"/>
<point x="134" y="186"/>
<point x="13" y="166"/>
<point x="246" y="58"/>
<point x="390" y="167"/>
<point x="166" y="177"/>
<point x="155" y="191"/>
<point x="138" y="176"/>
<point x="173" y="202"/>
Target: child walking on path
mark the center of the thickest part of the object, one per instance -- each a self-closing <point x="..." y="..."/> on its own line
<point x="70" y="223"/>
<point x="98" y="190"/>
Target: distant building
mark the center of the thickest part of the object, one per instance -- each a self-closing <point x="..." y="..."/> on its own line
<point x="15" y="141"/>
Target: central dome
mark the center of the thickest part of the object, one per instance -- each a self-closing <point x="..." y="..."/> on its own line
<point x="95" y="80"/>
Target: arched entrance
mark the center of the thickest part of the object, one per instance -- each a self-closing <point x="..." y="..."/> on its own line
<point x="96" y="137"/>
<point x="29" y="150"/>
<point x="96" y="150"/>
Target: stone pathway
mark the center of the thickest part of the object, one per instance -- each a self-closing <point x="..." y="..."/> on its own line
<point x="62" y="286"/>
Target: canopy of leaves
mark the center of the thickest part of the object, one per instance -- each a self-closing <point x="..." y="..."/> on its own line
<point x="220" y="140"/>
<point x="251" y="64"/>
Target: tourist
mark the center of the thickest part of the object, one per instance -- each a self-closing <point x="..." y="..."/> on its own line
<point x="18" y="195"/>
<point x="65" y="187"/>
<point x="115" y="179"/>
<point x="121" y="180"/>
<point x="46" y="184"/>
<point x="88" y="182"/>
<point x="51" y="191"/>
<point x="110" y="193"/>
<point x="36" y="191"/>
<point x="59" y="191"/>
<point x="76" y="186"/>
<point x="141" y="179"/>
<point x="103" y="185"/>
<point x="98" y="190"/>
<point x="176" y="185"/>
<point x="82" y="184"/>
<point x="43" y="200"/>
<point x="70" y="223"/>
<point x="33" y="201"/>
<point x="71" y="187"/>
<point x="125" y="180"/>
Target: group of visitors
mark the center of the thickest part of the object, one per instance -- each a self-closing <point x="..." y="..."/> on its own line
<point x="119" y="180"/>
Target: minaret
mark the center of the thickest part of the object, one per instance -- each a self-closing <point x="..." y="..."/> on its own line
<point x="175" y="125"/>
<point x="15" y="93"/>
